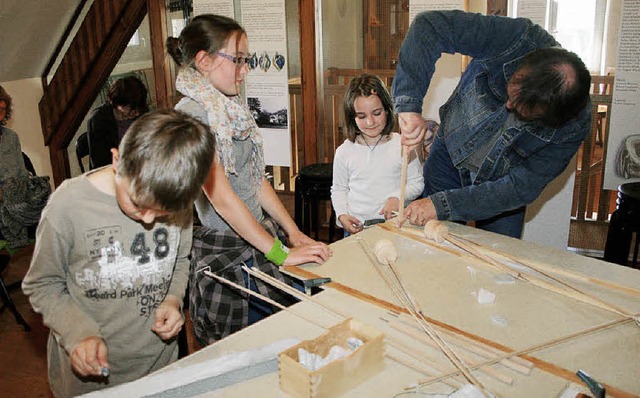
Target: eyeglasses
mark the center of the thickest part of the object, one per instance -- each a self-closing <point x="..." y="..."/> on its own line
<point x="239" y="61"/>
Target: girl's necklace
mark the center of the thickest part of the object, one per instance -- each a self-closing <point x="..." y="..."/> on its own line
<point x="371" y="148"/>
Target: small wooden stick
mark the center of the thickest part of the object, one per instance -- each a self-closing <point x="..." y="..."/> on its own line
<point x="261" y="297"/>
<point x="574" y="275"/>
<point x="516" y="364"/>
<point x="525" y="351"/>
<point x="419" y="355"/>
<point x="455" y="384"/>
<point x="565" y="289"/>
<point x="402" y="295"/>
<point x="403" y="185"/>
<point x="416" y="334"/>
<point x="292" y="291"/>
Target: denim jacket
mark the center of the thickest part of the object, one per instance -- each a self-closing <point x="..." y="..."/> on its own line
<point x="528" y="155"/>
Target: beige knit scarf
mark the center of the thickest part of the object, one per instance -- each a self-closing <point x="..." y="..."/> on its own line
<point x="228" y="119"/>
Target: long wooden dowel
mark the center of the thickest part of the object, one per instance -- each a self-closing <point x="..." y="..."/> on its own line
<point x="288" y="289"/>
<point x="560" y="271"/>
<point x="531" y="349"/>
<point x="416" y="334"/>
<point x="422" y="358"/>
<point x="403" y="184"/>
<point x="261" y="297"/>
<point x="396" y="276"/>
<point x="516" y="364"/>
<point x="568" y="291"/>
<point x="293" y="291"/>
<point x="424" y="324"/>
<point x="420" y="369"/>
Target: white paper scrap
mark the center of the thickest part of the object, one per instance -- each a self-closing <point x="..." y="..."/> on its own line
<point x="485" y="296"/>
<point x="499" y="320"/>
<point x="504" y="278"/>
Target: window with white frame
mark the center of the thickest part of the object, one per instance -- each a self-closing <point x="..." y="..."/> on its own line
<point x="578" y="25"/>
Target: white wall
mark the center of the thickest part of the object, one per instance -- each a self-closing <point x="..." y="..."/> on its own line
<point x="547" y="219"/>
<point x="25" y="121"/>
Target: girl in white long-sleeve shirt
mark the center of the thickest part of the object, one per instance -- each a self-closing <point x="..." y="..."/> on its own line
<point x="367" y="166"/>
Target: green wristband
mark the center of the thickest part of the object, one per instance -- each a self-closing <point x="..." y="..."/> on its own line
<point x="278" y="253"/>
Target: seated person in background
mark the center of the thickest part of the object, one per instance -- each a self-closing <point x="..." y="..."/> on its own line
<point x="367" y="167"/>
<point x="126" y="101"/>
<point x="111" y="263"/>
<point x="517" y="117"/>
<point x="21" y="197"/>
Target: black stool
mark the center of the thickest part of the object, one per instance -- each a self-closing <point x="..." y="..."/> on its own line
<point x="624" y="222"/>
<point x="313" y="184"/>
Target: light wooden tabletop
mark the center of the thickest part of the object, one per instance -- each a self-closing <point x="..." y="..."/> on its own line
<point x="544" y="315"/>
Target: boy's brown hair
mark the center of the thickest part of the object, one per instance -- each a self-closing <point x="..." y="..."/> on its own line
<point x="166" y="156"/>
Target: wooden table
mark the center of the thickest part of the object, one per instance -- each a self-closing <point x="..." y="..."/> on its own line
<point x="444" y="281"/>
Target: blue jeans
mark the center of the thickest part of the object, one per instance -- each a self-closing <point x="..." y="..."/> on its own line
<point x="440" y="175"/>
<point x="258" y="309"/>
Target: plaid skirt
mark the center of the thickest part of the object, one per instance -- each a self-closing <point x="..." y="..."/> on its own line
<point x="217" y="309"/>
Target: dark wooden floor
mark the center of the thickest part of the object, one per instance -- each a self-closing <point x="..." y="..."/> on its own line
<point x="23" y="355"/>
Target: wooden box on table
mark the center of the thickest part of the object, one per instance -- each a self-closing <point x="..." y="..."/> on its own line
<point x="340" y="375"/>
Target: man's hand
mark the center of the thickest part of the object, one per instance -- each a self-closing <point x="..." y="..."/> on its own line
<point x="413" y="128"/>
<point x="420" y="211"/>
<point x="350" y="224"/>
<point x="169" y="320"/>
<point x="89" y="356"/>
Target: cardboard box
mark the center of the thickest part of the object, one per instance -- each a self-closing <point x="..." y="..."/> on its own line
<point x="338" y="376"/>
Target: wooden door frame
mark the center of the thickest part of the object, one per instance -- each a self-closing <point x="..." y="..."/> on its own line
<point x="157" y="12"/>
<point x="309" y="82"/>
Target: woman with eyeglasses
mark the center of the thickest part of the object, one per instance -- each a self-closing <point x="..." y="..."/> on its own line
<point x="243" y="221"/>
<point x="126" y="101"/>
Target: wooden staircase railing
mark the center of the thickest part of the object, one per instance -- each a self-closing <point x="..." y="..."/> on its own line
<point x="93" y="53"/>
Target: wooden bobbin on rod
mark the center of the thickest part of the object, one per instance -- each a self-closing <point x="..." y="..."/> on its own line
<point x="385" y="251"/>
<point x="436" y="230"/>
